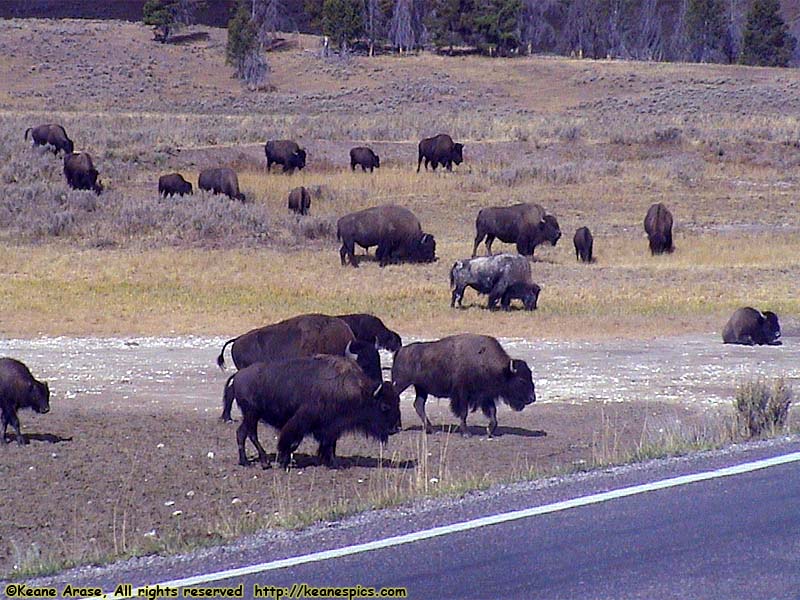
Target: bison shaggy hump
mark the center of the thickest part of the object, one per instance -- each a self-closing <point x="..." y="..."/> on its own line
<point x="299" y="200"/>
<point x="749" y="327"/>
<point x="173" y="184"/>
<point x="658" y="226"/>
<point x="440" y="150"/>
<point x="220" y="180"/>
<point x="394" y="229"/>
<point x="80" y="172"/>
<point x="325" y="396"/>
<point x="285" y="152"/>
<point x="472" y="370"/>
<point x="51" y="135"/>
<point x="19" y="389"/>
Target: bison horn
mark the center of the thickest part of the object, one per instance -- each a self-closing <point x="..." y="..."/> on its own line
<point x="348" y="353"/>
<point x="377" y="391"/>
<point x="511" y="367"/>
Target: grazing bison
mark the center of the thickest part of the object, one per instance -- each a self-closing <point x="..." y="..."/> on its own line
<point x="472" y="370"/>
<point x="527" y="292"/>
<point x="488" y="275"/>
<point x="18" y="389"/>
<point x="299" y="200"/>
<point x="394" y="229"/>
<point x="220" y="180"/>
<point x="749" y="326"/>
<point x="440" y="150"/>
<point x="286" y="153"/>
<point x="325" y="396"/>
<point x="365" y="157"/>
<point x="174" y="184"/>
<point x="583" y="241"/>
<point x="80" y="172"/>
<point x="525" y="224"/>
<point x="658" y="225"/>
<point x="369" y="328"/>
<point x="51" y="135"/>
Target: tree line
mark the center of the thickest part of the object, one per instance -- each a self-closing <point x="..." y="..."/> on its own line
<point x="726" y="31"/>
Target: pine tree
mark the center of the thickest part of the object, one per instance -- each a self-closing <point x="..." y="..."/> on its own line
<point x="167" y="16"/>
<point x="447" y="22"/>
<point x="342" y="21"/>
<point x="496" y="24"/>
<point x="706" y="26"/>
<point x="244" y="50"/>
<point x="766" y="39"/>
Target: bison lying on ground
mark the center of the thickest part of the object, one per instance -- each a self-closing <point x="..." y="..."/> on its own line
<point x="286" y="153"/>
<point x="472" y="370"/>
<point x="749" y="326"/>
<point x="220" y="180"/>
<point x="299" y="200"/>
<point x="173" y="184"/>
<point x="365" y="157"/>
<point x="525" y="224"/>
<point x="18" y="389"/>
<point x="527" y="292"/>
<point x="80" y="172"/>
<point x="658" y="225"/>
<point x="51" y="135"/>
<point x="440" y="150"/>
<point x="583" y="241"/>
<point x="325" y="396"/>
<point x="394" y="229"/>
<point x="491" y="275"/>
<point x="369" y="328"/>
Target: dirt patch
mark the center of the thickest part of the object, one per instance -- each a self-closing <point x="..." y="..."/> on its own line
<point x="133" y="457"/>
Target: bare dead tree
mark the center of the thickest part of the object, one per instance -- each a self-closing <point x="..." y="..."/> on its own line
<point x="401" y="30"/>
<point x="268" y="16"/>
<point x="537" y="23"/>
<point x="650" y="42"/>
<point x="373" y="10"/>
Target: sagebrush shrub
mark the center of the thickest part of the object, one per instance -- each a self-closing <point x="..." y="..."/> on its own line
<point x="762" y="407"/>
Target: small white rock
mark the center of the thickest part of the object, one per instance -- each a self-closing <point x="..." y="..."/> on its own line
<point x="190" y="494"/>
<point x="151" y="533"/>
<point x="235" y="501"/>
<point x="159" y="445"/>
<point x="210" y="455"/>
<point x="177" y="513"/>
<point x="169" y="502"/>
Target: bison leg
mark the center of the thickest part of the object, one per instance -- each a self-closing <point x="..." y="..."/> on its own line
<point x="348" y="253"/>
<point x="478" y="239"/>
<point x="489" y="242"/>
<point x="490" y="410"/>
<point x="291" y="436"/>
<point x="14" y="421"/>
<point x="458" y="295"/>
<point x="248" y="428"/>
<point x="327" y="453"/>
<point x="419" y="406"/>
<point x="3" y="439"/>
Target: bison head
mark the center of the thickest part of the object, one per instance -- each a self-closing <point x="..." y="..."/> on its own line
<point x="389" y="340"/>
<point x="69" y="147"/>
<point x="39" y="397"/>
<point x="546" y="230"/>
<point x="241" y="197"/>
<point x="95" y="184"/>
<point x="519" y="390"/>
<point x="389" y="420"/>
<point x="770" y="328"/>
<point x="377" y="161"/>
<point x="367" y="357"/>
<point x="458" y="153"/>
<point x="424" y="250"/>
<point x="298" y="159"/>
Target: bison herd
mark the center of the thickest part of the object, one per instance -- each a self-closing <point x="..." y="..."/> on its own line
<point x="321" y="375"/>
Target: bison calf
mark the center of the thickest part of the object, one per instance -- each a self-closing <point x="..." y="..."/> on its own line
<point x="472" y="370"/>
<point x="365" y="157"/>
<point x="583" y="241"/>
<point x="325" y="396"/>
<point x="749" y="327"/>
<point x="521" y="290"/>
<point x="19" y="389"/>
<point x="299" y="200"/>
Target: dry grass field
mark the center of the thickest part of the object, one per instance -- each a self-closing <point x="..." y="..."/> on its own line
<point x="595" y="142"/>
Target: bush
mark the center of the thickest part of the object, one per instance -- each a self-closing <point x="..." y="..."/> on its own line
<point x="762" y="407"/>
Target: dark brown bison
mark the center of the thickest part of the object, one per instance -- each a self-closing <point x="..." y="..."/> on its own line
<point x="440" y="150"/>
<point x="174" y="184"/>
<point x="286" y="153"/>
<point x="365" y="157"/>
<point x="749" y="327"/>
<point x="80" y="172"/>
<point x="220" y="180"/>
<point x="51" y="135"/>
<point x="525" y="224"/>
<point x="527" y="292"/>
<point x="394" y="229"/>
<point x="299" y="200"/>
<point x="369" y="328"/>
<point x="325" y="396"/>
<point x="490" y="275"/>
<point x="583" y="241"/>
<point x="472" y="370"/>
<point x="658" y="225"/>
<point x="18" y="390"/>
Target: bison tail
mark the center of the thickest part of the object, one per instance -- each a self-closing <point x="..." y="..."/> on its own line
<point x="27" y="131"/>
<point x="221" y="357"/>
<point x="453" y="275"/>
<point x="227" y="400"/>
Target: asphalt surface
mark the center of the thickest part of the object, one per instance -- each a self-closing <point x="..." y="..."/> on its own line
<point x="736" y="537"/>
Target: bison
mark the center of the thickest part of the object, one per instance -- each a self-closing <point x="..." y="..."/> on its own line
<point x="19" y="389"/>
<point x="80" y="172"/>
<point x="440" y="150"/>
<point x="325" y="396"/>
<point x="394" y="229"/>
<point x="472" y="370"/>
<point x="286" y="153"/>
<point x="174" y="184"/>
<point x="521" y="290"/>
<point x="658" y="225"/>
<point x="220" y="180"/>
<point x="583" y="241"/>
<point x="749" y="326"/>
<point x="369" y="328"/>
<point x="51" y="135"/>
<point x="490" y="275"/>
<point x="365" y="157"/>
<point x="525" y="224"/>
<point x="299" y="200"/>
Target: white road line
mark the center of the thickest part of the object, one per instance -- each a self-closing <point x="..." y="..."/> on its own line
<point x="427" y="534"/>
